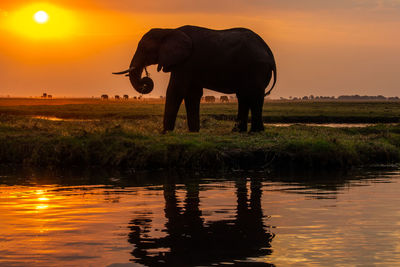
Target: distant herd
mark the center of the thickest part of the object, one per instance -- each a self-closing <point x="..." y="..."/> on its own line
<point x="207" y="99"/>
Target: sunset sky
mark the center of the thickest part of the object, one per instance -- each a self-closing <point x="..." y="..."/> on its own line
<point x="321" y="47"/>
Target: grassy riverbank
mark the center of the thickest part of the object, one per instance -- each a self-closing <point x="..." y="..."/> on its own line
<point x="127" y="136"/>
<point x="274" y="111"/>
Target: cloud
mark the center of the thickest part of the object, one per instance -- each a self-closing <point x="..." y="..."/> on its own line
<point x="220" y="6"/>
<point x="223" y="6"/>
<point x="374" y="9"/>
<point x="364" y="10"/>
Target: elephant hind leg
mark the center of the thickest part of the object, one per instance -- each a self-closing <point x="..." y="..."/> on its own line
<point x="243" y="115"/>
<point x="256" y="107"/>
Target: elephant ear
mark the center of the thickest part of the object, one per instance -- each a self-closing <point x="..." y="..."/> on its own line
<point x="175" y="48"/>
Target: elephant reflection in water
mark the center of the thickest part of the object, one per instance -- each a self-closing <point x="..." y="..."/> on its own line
<point x="190" y="241"/>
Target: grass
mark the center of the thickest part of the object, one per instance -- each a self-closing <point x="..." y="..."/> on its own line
<point x="127" y="136"/>
<point x="274" y="111"/>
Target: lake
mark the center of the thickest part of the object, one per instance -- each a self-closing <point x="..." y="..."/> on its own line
<point x="160" y="219"/>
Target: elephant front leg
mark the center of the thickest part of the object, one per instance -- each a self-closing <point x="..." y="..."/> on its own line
<point x="173" y="101"/>
<point x="192" y="104"/>
<point x="243" y="115"/>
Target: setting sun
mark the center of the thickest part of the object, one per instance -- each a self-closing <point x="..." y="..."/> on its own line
<point x="41" y="17"/>
<point x="42" y="21"/>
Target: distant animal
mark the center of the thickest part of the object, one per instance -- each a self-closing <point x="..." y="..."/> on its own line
<point x="44" y="95"/>
<point x="49" y="96"/>
<point x="234" y="61"/>
<point x="210" y="99"/>
<point x="224" y="98"/>
<point x="104" y="97"/>
<point x="135" y="97"/>
<point x="116" y="97"/>
<point x="126" y="97"/>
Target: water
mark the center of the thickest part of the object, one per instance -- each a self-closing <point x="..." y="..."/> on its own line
<point x="172" y="220"/>
<point x="329" y="125"/>
<point x="53" y="118"/>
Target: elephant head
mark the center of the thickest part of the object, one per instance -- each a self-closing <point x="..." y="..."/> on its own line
<point x="165" y="47"/>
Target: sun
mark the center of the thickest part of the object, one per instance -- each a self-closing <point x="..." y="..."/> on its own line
<point x="42" y="21"/>
<point x="41" y="17"/>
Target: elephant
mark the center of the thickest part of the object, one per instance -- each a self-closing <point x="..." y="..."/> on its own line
<point x="224" y="99"/>
<point x="210" y="99"/>
<point x="232" y="61"/>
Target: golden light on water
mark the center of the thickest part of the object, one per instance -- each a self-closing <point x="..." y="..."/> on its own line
<point x="41" y="207"/>
<point x="81" y="225"/>
<point x="42" y="21"/>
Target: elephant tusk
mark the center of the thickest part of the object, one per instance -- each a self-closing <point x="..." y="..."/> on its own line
<point x="125" y="71"/>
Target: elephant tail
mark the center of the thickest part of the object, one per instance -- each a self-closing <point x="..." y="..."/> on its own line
<point x="273" y="64"/>
<point x="273" y="85"/>
<point x="273" y="70"/>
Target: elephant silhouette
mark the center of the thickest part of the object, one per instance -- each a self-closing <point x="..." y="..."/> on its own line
<point x="232" y="61"/>
<point x="210" y="99"/>
<point x="224" y="99"/>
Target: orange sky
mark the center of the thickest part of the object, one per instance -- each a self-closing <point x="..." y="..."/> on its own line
<point x="343" y="47"/>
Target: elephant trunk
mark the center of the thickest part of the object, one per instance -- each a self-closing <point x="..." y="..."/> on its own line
<point x="143" y="85"/>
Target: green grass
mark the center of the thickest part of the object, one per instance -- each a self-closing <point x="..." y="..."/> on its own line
<point x="128" y="136"/>
<point x="274" y="111"/>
